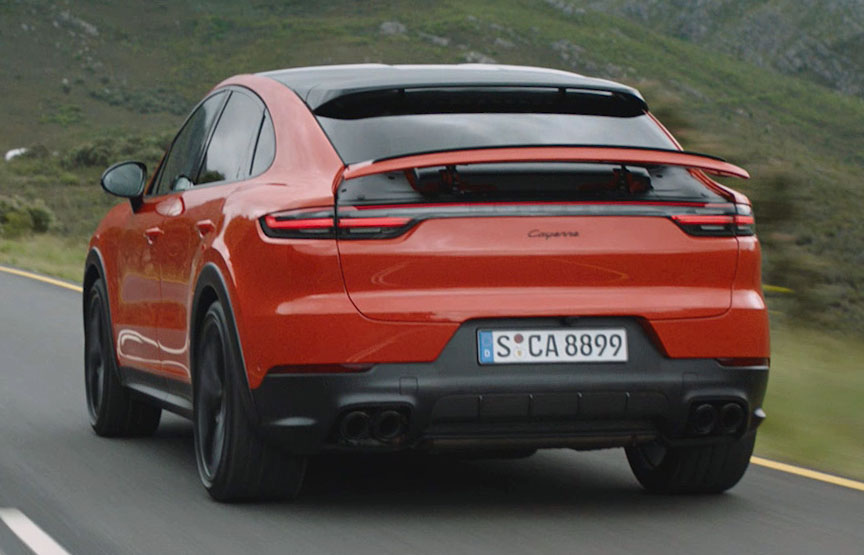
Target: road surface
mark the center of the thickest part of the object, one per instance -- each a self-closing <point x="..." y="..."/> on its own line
<point x="91" y="495"/>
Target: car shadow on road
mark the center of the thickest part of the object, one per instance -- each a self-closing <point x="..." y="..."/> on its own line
<point x="556" y="481"/>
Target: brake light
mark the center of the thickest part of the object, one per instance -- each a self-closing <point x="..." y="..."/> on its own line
<point x="300" y="224"/>
<point x="738" y="221"/>
<point x="322" y="224"/>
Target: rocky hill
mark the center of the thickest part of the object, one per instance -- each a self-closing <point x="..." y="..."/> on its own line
<point x="819" y="41"/>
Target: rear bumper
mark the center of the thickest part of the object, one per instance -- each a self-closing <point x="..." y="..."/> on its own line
<point x="454" y="402"/>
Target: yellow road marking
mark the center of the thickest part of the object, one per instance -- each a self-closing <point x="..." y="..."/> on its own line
<point x="782" y="467"/>
<point x="45" y="279"/>
<point x="807" y="473"/>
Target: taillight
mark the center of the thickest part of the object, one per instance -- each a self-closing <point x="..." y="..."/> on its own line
<point x="736" y="220"/>
<point x="352" y="225"/>
<point x="300" y="224"/>
<point x="322" y="224"/>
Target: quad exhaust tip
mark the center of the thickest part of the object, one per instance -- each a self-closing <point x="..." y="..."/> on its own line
<point x="731" y="418"/>
<point x="717" y="417"/>
<point x="704" y="419"/>
<point x="388" y="425"/>
<point x="377" y="423"/>
<point x="355" y="425"/>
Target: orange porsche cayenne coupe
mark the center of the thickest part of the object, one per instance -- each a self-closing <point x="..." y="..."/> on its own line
<point x="476" y="259"/>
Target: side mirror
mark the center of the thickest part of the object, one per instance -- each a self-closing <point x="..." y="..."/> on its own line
<point x="125" y="179"/>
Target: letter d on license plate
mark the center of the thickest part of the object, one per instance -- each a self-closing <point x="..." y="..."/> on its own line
<point x="556" y="345"/>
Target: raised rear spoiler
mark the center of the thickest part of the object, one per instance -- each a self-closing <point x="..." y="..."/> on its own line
<point x="589" y="154"/>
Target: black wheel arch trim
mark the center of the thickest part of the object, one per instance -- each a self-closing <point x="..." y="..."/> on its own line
<point x="95" y="261"/>
<point x="211" y="277"/>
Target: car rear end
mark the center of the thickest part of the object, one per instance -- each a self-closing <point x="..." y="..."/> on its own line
<point x="583" y="282"/>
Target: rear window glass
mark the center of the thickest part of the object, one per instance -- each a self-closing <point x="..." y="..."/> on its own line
<point x="526" y="182"/>
<point x="397" y="123"/>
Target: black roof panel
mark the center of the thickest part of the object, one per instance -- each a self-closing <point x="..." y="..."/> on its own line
<point x="319" y="84"/>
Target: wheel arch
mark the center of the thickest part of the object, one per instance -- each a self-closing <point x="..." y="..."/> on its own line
<point x="209" y="288"/>
<point x="94" y="269"/>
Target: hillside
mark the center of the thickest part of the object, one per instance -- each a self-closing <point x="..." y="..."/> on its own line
<point x="92" y="81"/>
<point x="818" y="41"/>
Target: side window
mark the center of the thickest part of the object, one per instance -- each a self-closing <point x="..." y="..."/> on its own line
<point x="185" y="153"/>
<point x="229" y="155"/>
<point x="266" y="149"/>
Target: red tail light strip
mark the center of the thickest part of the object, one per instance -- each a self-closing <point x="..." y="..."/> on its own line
<point x="273" y="222"/>
<point x="699" y="219"/>
<point x="542" y="203"/>
<point x="352" y="222"/>
<point x="321" y="224"/>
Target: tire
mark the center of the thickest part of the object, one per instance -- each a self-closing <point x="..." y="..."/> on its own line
<point x="112" y="409"/>
<point x="234" y="462"/>
<point x="693" y="469"/>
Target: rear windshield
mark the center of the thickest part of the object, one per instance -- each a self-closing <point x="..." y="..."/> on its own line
<point x="526" y="182"/>
<point x="397" y="123"/>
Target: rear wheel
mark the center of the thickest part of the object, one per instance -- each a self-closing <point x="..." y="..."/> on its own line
<point x="692" y="469"/>
<point x="113" y="411"/>
<point x="234" y="462"/>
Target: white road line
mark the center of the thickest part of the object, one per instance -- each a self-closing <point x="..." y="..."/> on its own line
<point x="28" y="532"/>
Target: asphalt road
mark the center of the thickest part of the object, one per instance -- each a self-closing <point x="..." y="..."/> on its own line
<point x="94" y="495"/>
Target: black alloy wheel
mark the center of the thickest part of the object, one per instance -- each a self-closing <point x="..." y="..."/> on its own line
<point x="234" y="460"/>
<point x="111" y="408"/>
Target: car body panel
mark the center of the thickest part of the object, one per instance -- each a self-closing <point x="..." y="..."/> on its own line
<point x="498" y="267"/>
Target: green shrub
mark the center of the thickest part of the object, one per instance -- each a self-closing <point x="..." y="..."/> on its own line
<point x="64" y="115"/>
<point x="103" y="151"/>
<point x="41" y="215"/>
<point x="16" y="224"/>
<point x="36" y="152"/>
<point x="19" y="217"/>
<point x="144" y="101"/>
<point x="96" y="153"/>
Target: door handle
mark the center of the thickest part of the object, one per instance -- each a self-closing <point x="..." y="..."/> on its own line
<point x="152" y="234"/>
<point x="204" y="227"/>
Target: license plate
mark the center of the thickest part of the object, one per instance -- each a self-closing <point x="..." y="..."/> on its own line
<point x="562" y="345"/>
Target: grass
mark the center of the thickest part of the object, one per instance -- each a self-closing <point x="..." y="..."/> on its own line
<point x="814" y="392"/>
<point x="814" y="399"/>
<point x="45" y="254"/>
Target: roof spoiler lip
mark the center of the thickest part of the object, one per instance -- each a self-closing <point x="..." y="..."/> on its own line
<point x="317" y="98"/>
<point x="599" y="154"/>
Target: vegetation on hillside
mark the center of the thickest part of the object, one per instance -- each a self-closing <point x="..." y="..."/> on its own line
<point x="106" y="82"/>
